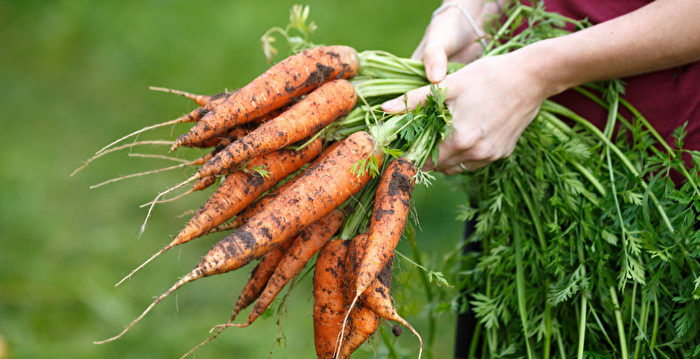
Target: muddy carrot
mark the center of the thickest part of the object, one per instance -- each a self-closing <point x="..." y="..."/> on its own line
<point x="275" y="88"/>
<point x="329" y="303"/>
<point x="303" y="119"/>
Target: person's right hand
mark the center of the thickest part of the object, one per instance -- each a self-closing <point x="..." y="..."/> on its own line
<point x="449" y="37"/>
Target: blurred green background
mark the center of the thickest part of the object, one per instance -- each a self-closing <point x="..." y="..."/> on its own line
<point x="74" y="75"/>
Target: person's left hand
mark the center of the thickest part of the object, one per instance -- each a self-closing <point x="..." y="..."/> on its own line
<point x="492" y="101"/>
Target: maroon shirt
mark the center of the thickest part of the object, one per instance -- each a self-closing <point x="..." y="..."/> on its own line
<point x="666" y="98"/>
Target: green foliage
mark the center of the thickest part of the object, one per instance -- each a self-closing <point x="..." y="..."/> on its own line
<point x="298" y="17"/>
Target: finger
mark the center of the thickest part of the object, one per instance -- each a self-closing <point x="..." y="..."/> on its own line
<point x="435" y="60"/>
<point x="407" y="102"/>
<point x="418" y="52"/>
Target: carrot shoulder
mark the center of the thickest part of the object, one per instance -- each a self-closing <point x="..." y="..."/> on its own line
<point x="276" y="87"/>
<point x="303" y="119"/>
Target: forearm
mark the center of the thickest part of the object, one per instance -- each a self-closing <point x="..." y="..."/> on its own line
<point x="660" y="35"/>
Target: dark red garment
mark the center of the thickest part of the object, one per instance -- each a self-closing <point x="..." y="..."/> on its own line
<point x="666" y="98"/>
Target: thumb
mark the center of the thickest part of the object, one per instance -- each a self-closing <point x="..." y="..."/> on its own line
<point x="435" y="60"/>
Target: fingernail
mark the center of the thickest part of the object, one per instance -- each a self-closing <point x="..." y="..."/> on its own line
<point x="437" y="73"/>
<point x="394" y="105"/>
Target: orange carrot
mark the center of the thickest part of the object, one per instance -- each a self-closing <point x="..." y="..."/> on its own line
<point x="322" y="188"/>
<point x="391" y="205"/>
<point x="303" y="119"/>
<point x="276" y="87"/>
<point x="238" y="190"/>
<point x="309" y="241"/>
<point x="355" y="252"/>
<point x="329" y="303"/>
<point x="236" y="132"/>
<point x="224" y="139"/>
<point x="260" y="204"/>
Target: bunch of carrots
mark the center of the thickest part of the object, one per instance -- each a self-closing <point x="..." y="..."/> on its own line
<point x="306" y="163"/>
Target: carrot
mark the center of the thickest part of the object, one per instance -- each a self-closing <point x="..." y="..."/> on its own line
<point x="200" y="100"/>
<point x="260" y="204"/>
<point x="322" y="188"/>
<point x="378" y="299"/>
<point x="224" y="139"/>
<point x="309" y="241"/>
<point x="329" y="303"/>
<point x="303" y="119"/>
<point x="391" y="206"/>
<point x="276" y="87"/>
<point x="238" y="190"/>
<point x="236" y="132"/>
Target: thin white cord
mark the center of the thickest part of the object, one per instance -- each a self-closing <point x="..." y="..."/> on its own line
<point x="466" y="15"/>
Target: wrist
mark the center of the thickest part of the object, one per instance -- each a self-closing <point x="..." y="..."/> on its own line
<point x="549" y="66"/>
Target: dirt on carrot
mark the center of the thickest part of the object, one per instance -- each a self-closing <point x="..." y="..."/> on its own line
<point x="329" y="302"/>
<point x="275" y="88"/>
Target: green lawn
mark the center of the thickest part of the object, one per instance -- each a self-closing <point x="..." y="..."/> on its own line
<point x="74" y="75"/>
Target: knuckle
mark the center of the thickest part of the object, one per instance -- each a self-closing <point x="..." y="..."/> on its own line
<point x="463" y="142"/>
<point x="481" y="151"/>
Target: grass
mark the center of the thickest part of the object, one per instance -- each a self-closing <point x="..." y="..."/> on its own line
<point x="75" y="75"/>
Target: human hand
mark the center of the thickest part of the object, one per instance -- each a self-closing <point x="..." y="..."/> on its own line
<point x="449" y="37"/>
<point x="492" y="100"/>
